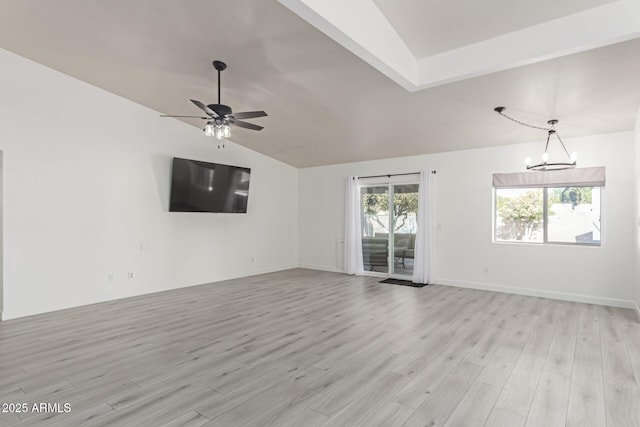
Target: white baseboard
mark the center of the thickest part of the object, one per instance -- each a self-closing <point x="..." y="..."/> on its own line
<point x="563" y="296"/>
<point x="259" y="271"/>
<point x="320" y="267"/>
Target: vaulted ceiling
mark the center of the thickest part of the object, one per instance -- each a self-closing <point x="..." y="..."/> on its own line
<point x="352" y="80"/>
<point x="432" y="27"/>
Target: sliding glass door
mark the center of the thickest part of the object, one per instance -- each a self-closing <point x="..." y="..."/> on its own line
<point x="404" y="227"/>
<point x="389" y="228"/>
<point x="375" y="228"/>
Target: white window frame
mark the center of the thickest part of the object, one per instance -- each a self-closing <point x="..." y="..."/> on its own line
<point x="545" y="208"/>
<point x="577" y="177"/>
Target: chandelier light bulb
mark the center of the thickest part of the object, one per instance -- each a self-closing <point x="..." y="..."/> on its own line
<point x="219" y="132"/>
<point x="545" y="157"/>
<point x="574" y="157"/>
<point x="527" y="161"/>
<point x="209" y="130"/>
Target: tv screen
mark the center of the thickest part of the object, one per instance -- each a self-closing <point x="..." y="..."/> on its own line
<point x="208" y="187"/>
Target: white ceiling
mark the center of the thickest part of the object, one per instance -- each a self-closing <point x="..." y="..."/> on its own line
<point x="326" y="105"/>
<point x="435" y="26"/>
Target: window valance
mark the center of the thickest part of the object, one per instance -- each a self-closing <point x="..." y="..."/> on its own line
<point x="578" y="177"/>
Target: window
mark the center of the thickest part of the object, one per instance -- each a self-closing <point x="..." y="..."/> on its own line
<point x="561" y="206"/>
<point x="519" y="215"/>
<point x="548" y="215"/>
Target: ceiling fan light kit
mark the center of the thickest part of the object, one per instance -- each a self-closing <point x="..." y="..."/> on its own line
<point x="221" y="117"/>
<point x="545" y="165"/>
<point x="218" y="131"/>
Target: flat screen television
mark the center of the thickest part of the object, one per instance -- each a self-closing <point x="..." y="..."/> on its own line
<point x="208" y="187"/>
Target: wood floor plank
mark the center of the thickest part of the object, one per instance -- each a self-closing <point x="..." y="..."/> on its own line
<point x="622" y="406"/>
<point x="521" y="328"/>
<point x="442" y="401"/>
<point x="518" y="392"/>
<point x="371" y="400"/>
<point x="561" y="354"/>
<point x="588" y="349"/>
<point x="392" y="414"/>
<point x="339" y="397"/>
<point x="635" y="364"/>
<point x="502" y="418"/>
<point x="270" y="408"/>
<point x="9" y="419"/>
<point x="631" y="333"/>
<point x="158" y="406"/>
<point x="417" y="360"/>
<point x="222" y="403"/>
<point x="586" y="398"/>
<point x="549" y="406"/>
<point x="11" y="393"/>
<point x="427" y="380"/>
<point x="340" y="377"/>
<point x="499" y="368"/>
<point x="475" y="406"/>
<point x="188" y="419"/>
<point x="487" y="346"/>
<point x="308" y="348"/>
<point x="540" y="337"/>
<point x="616" y="360"/>
<point x="306" y="418"/>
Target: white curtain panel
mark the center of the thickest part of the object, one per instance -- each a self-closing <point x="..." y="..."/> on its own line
<point x="423" y="262"/>
<point x="353" y="229"/>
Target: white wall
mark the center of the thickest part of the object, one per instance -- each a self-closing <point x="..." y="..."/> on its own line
<point x="637" y="216"/>
<point x="1" y="231"/>
<point x="86" y="184"/>
<point x="463" y="215"/>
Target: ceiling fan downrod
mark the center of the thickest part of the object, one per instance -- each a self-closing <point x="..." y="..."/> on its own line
<point x="220" y="66"/>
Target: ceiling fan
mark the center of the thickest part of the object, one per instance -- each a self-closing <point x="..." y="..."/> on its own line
<point x="220" y="117"/>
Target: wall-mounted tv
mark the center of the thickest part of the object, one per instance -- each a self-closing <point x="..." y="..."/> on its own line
<point x="208" y="187"/>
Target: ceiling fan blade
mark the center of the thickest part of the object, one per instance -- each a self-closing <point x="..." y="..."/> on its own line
<point x="248" y="114"/>
<point x="192" y="117"/>
<point x="245" y="125"/>
<point x="204" y="108"/>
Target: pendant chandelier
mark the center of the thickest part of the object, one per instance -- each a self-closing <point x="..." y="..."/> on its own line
<point x="545" y="164"/>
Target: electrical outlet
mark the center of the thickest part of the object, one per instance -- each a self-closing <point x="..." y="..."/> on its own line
<point x="130" y="275"/>
<point x="111" y="277"/>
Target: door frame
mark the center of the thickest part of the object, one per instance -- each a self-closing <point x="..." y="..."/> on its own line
<point x="389" y="182"/>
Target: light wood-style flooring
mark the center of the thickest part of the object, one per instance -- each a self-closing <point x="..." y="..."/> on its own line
<point x="308" y="348"/>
